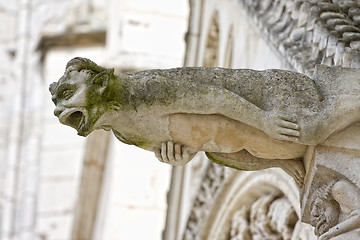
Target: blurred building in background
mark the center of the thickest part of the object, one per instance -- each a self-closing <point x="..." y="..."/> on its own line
<point x="53" y="183"/>
<point x="57" y="185"/>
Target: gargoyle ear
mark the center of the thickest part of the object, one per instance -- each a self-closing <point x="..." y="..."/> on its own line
<point x="52" y="88"/>
<point x="101" y="81"/>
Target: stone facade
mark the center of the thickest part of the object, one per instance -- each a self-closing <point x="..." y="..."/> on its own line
<point x="43" y="162"/>
<point x="43" y="165"/>
<point x="271" y="34"/>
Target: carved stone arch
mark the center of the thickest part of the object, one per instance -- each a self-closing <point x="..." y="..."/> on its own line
<point x="246" y="205"/>
<point x="211" y="51"/>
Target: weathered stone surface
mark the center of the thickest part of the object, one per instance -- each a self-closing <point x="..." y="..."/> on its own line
<point x="242" y="118"/>
<point x="245" y="205"/>
<point x="331" y="27"/>
<point x="317" y="32"/>
<point x="331" y="198"/>
<point x="272" y="114"/>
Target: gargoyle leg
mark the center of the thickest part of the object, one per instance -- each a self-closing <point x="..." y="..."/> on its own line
<point x="245" y="161"/>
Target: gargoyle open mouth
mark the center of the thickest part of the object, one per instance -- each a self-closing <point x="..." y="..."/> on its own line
<point x="76" y="119"/>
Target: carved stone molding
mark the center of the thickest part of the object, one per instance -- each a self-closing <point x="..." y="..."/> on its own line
<point x="211" y="54"/>
<point x="216" y="176"/>
<point x="269" y="217"/>
<point x="307" y="33"/>
<point x="84" y="24"/>
<point x="245" y="205"/>
<point x="331" y="197"/>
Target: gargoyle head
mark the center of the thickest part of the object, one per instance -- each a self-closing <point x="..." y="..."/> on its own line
<point x="78" y="95"/>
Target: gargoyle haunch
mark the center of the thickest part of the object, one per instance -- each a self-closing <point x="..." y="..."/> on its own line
<point x="271" y="114"/>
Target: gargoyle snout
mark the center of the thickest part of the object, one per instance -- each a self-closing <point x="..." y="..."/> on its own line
<point x="58" y="111"/>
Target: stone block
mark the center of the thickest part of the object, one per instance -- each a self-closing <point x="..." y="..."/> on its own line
<point x="28" y="179"/>
<point x="57" y="196"/>
<point x="65" y="162"/>
<point x="143" y="188"/>
<point x="60" y="137"/>
<point x="123" y="223"/>
<point x="25" y="213"/>
<point x="9" y="6"/>
<point x="7" y="26"/>
<point x="54" y="227"/>
<point x="9" y="183"/>
<point x="7" y="215"/>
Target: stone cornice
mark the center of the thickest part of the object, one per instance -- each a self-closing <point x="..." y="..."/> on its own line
<point x="307" y="33"/>
<point x="72" y="39"/>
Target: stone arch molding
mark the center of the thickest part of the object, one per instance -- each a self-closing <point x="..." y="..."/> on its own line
<point x="217" y="32"/>
<point x="246" y="205"/>
<point x="211" y="51"/>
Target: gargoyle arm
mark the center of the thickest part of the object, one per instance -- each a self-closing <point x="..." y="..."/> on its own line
<point x="221" y="101"/>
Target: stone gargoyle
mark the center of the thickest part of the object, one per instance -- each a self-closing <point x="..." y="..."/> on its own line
<point x="242" y="118"/>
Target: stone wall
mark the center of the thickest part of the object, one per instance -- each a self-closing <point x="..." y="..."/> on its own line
<point x="8" y="84"/>
<point x="41" y="163"/>
<point x="146" y="34"/>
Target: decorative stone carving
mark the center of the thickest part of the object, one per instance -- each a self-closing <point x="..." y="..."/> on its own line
<point x="242" y="118"/>
<point x="335" y="210"/>
<point x="332" y="195"/>
<point x="269" y="220"/>
<point x="269" y="217"/>
<point x="215" y="179"/>
<point x="240" y="229"/>
<point x="310" y="32"/>
<point x="245" y="205"/>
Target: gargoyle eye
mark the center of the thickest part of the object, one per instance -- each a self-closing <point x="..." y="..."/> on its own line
<point x="88" y="71"/>
<point x="67" y="94"/>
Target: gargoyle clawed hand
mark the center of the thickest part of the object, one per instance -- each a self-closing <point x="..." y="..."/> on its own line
<point x="175" y="153"/>
<point x="282" y="128"/>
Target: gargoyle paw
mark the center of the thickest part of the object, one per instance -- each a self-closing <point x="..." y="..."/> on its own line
<point x="283" y="128"/>
<point x="175" y="153"/>
<point x="288" y="127"/>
